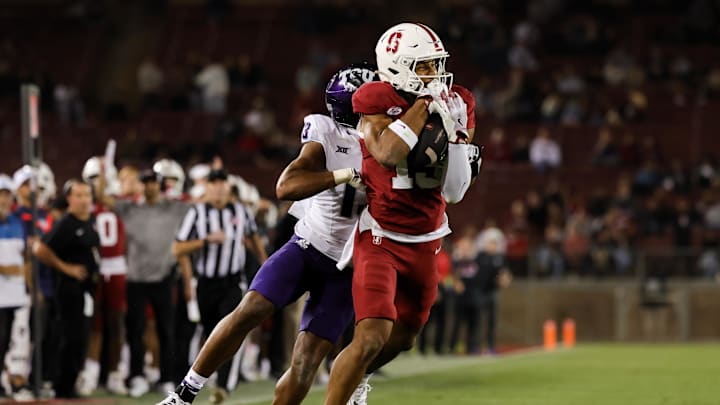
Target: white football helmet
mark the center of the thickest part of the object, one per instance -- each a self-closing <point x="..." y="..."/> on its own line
<point x="92" y="170"/>
<point x="46" y="183"/>
<point x="401" y="48"/>
<point x="170" y="169"/>
<point x="199" y="172"/>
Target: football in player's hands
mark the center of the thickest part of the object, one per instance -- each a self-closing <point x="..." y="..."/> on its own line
<point x="431" y="146"/>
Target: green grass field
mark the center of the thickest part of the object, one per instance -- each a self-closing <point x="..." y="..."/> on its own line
<point x="658" y="374"/>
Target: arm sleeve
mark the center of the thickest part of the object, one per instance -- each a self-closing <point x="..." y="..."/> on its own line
<point x="187" y="229"/>
<point x="458" y="175"/>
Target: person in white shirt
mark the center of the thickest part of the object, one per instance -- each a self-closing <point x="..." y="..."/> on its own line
<point x="13" y="293"/>
<point x="545" y="153"/>
<point x="214" y="82"/>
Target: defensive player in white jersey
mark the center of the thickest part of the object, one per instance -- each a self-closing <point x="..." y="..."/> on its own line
<point x="327" y="170"/>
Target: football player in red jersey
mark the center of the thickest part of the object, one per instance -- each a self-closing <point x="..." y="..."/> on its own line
<point x="110" y="301"/>
<point x="399" y="234"/>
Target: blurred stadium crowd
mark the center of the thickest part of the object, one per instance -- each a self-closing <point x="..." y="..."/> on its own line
<point x="600" y="157"/>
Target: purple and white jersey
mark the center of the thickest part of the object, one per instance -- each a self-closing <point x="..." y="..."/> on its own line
<point x="327" y="219"/>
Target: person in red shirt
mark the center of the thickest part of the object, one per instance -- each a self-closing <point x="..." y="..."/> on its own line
<point x="110" y="298"/>
<point x="399" y="234"/>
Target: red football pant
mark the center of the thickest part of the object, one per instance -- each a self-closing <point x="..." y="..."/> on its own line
<point x="394" y="280"/>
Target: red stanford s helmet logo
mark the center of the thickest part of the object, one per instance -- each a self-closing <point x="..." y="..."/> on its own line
<point x="394" y="42"/>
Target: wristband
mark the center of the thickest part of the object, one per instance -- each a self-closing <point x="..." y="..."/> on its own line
<point x="205" y="243"/>
<point x="402" y="130"/>
<point x="342" y="176"/>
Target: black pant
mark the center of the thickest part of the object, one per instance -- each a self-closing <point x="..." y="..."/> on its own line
<point x="436" y="321"/>
<point x="184" y="331"/>
<point x="217" y="298"/>
<point x="74" y="332"/>
<point x="50" y="324"/>
<point x="488" y="308"/>
<point x="467" y="312"/>
<point x="159" y="294"/>
<point x="470" y="310"/>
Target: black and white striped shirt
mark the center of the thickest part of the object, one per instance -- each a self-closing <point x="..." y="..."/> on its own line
<point x="218" y="260"/>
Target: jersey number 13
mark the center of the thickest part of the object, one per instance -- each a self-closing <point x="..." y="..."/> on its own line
<point x="429" y="178"/>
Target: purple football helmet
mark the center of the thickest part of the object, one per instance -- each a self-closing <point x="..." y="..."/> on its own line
<point x="339" y="91"/>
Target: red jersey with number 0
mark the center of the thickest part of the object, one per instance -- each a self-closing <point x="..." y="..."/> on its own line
<point x="111" y="230"/>
<point x="412" y="206"/>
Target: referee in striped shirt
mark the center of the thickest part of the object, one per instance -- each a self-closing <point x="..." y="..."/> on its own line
<point x="216" y="233"/>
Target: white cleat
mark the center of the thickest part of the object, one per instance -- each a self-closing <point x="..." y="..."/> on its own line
<point x="24" y="394"/>
<point x="152" y="374"/>
<point x="172" y="399"/>
<point x="138" y="387"/>
<point x="46" y="391"/>
<point x="165" y="387"/>
<point x="359" y="397"/>
<point x="86" y="383"/>
<point x="116" y="383"/>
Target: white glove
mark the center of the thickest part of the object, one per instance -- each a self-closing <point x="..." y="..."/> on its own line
<point x="452" y="110"/>
<point x="441" y="108"/>
<point x="350" y="176"/>
<point x="458" y="112"/>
